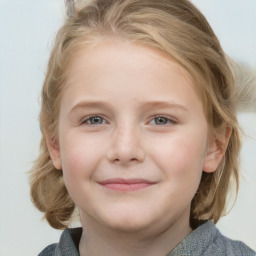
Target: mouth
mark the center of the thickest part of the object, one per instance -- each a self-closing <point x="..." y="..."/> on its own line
<point x="126" y="184"/>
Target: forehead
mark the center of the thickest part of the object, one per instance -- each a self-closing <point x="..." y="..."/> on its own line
<point x="115" y="68"/>
<point x="119" y="55"/>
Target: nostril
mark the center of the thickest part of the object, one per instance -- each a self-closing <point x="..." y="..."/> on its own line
<point x="124" y="150"/>
<point x="117" y="160"/>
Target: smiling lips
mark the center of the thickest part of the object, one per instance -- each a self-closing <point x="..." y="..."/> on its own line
<point x="126" y="185"/>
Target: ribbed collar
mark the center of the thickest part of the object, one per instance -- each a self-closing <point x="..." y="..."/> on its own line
<point x="196" y="243"/>
<point x="69" y="242"/>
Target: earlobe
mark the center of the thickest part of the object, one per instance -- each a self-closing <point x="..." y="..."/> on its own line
<point x="216" y="149"/>
<point x="54" y="150"/>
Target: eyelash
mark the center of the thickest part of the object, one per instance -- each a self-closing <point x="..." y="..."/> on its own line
<point x="167" y="120"/>
<point x="89" y="118"/>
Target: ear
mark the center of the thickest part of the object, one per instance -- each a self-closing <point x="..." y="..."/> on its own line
<point x="54" y="150"/>
<point x="216" y="149"/>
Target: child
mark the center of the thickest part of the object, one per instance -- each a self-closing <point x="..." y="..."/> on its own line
<point x="139" y="133"/>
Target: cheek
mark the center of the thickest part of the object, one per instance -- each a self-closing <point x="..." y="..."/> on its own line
<point x="79" y="162"/>
<point x="80" y="156"/>
<point x="181" y="155"/>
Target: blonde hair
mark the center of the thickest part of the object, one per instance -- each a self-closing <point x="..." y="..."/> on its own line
<point x="181" y="31"/>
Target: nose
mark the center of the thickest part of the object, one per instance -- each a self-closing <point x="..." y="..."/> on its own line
<point x="126" y="146"/>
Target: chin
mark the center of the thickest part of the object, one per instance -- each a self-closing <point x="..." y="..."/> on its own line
<point x="127" y="221"/>
<point x="127" y="227"/>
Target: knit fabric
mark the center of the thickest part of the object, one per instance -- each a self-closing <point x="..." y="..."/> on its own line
<point x="206" y="240"/>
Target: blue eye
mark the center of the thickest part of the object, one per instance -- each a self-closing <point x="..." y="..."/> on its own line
<point x="161" y="120"/>
<point x="94" y="120"/>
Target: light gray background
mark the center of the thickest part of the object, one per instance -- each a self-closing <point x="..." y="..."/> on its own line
<point x="27" y="28"/>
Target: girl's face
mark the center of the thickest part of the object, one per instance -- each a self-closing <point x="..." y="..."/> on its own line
<point x="132" y="140"/>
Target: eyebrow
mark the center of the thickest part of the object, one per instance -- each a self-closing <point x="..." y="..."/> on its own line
<point x="164" y="104"/>
<point x="89" y="104"/>
<point x="143" y="105"/>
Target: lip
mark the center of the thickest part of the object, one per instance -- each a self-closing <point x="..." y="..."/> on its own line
<point x="119" y="184"/>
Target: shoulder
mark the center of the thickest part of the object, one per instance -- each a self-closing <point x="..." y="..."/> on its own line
<point x="49" y="250"/>
<point x="67" y="246"/>
<point x="224" y="246"/>
<point x="206" y="240"/>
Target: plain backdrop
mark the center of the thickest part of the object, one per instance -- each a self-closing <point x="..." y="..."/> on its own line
<point x="27" y="29"/>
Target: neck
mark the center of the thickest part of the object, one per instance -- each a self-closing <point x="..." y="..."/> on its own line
<point x="99" y="240"/>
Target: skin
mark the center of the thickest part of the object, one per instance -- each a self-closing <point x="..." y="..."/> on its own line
<point x="130" y="114"/>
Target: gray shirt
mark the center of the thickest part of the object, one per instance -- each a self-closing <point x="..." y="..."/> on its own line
<point x="206" y="240"/>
